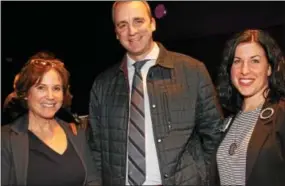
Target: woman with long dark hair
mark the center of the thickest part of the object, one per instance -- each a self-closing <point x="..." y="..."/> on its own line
<point x="251" y="88"/>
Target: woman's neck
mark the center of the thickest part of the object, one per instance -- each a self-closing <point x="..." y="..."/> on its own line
<point x="41" y="126"/>
<point x="252" y="103"/>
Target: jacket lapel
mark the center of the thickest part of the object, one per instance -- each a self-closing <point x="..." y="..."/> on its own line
<point x="260" y="133"/>
<point x="20" y="149"/>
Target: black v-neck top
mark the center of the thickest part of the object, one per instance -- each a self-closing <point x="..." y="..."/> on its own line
<point x="49" y="168"/>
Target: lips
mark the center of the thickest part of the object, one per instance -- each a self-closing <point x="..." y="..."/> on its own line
<point x="246" y="81"/>
<point x="137" y="39"/>
<point x="48" y="105"/>
<point x="134" y="40"/>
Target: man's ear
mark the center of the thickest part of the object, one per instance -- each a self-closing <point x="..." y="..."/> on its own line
<point x="153" y="24"/>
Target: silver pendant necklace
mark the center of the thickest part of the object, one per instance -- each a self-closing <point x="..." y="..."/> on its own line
<point x="233" y="147"/>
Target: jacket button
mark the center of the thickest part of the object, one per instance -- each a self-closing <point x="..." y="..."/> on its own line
<point x="153" y="106"/>
<point x="166" y="175"/>
<point x="159" y="140"/>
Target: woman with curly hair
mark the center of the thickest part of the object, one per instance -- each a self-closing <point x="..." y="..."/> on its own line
<point x="251" y="88"/>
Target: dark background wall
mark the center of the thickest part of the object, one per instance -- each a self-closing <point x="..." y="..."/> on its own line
<point x="82" y="34"/>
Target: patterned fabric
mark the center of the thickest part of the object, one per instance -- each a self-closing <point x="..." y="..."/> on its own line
<point x="136" y="142"/>
<point x="232" y="168"/>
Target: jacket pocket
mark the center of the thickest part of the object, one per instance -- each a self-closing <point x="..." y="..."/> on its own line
<point x="177" y="119"/>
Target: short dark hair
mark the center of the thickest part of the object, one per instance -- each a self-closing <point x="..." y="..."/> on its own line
<point x="33" y="72"/>
<point x="230" y="99"/>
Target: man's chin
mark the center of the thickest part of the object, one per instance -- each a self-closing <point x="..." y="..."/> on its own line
<point x="136" y="53"/>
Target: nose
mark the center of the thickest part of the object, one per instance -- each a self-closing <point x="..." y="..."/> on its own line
<point x="132" y="30"/>
<point x="50" y="94"/>
<point x="244" y="68"/>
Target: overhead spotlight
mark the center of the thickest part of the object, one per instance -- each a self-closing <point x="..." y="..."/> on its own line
<point x="160" y="11"/>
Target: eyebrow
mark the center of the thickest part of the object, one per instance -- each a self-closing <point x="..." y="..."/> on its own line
<point x="255" y="56"/>
<point x="250" y="57"/>
<point x="121" y="22"/>
<point x="134" y="19"/>
<point x="139" y="18"/>
<point x="43" y="84"/>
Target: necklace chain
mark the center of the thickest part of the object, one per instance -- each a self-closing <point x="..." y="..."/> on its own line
<point x="237" y="139"/>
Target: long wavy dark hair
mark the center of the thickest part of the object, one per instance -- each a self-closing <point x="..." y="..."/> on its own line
<point x="230" y="99"/>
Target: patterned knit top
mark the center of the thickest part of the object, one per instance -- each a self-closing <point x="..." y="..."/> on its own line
<point x="232" y="152"/>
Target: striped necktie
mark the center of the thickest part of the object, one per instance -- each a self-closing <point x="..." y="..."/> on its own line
<point x="136" y="142"/>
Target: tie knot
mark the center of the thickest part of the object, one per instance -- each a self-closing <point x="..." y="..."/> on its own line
<point x="139" y="64"/>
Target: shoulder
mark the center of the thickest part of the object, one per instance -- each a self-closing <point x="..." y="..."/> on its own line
<point x="5" y="135"/>
<point x="278" y="108"/>
<point x="279" y="112"/>
<point x="187" y="63"/>
<point x="105" y="78"/>
<point x="108" y="73"/>
<point x="73" y="129"/>
<point x="281" y="109"/>
<point x="281" y="104"/>
<point x="179" y="59"/>
<point x="183" y="58"/>
<point x="5" y="129"/>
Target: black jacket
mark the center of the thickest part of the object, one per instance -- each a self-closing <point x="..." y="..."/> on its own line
<point x="15" y="152"/>
<point x="184" y="113"/>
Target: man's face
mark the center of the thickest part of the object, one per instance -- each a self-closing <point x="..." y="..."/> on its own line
<point x="134" y="28"/>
